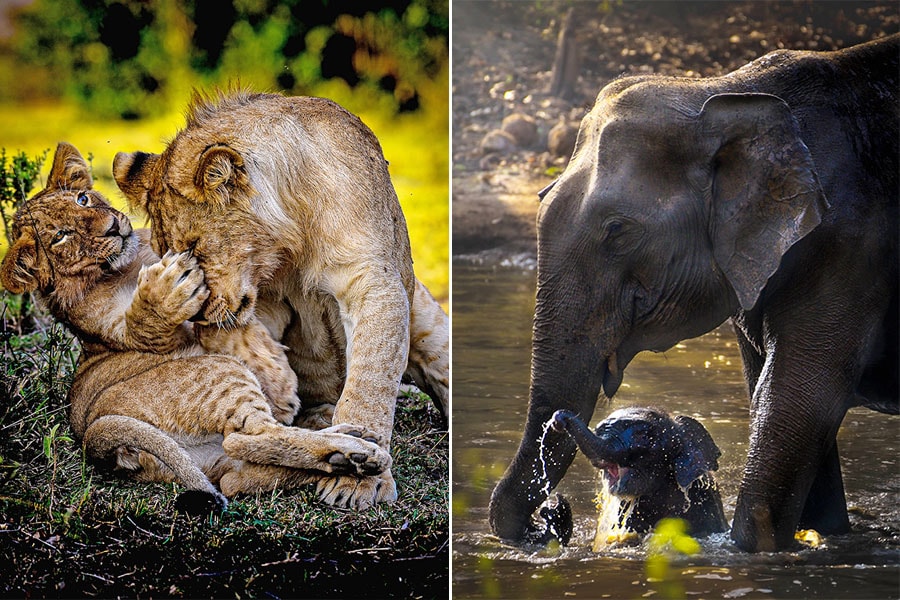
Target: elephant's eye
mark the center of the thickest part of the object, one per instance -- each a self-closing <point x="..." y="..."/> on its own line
<point x="613" y="228"/>
<point x="82" y="199"/>
<point x="619" y="235"/>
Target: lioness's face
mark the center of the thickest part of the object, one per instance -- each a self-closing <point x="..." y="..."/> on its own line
<point x="204" y="206"/>
<point x="66" y="231"/>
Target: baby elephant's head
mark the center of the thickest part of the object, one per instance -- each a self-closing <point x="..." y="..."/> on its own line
<point x="642" y="450"/>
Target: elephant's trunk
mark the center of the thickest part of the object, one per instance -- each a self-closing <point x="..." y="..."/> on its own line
<point x="566" y="377"/>
<point x="596" y="448"/>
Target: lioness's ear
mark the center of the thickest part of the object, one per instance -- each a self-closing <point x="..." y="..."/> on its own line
<point x="220" y="174"/>
<point x="17" y="271"/>
<point x="69" y="171"/>
<point x="132" y="172"/>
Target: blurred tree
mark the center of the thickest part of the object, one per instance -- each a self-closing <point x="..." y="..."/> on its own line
<point x="133" y="58"/>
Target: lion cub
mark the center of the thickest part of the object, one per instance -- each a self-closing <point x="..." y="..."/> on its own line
<point x="147" y="396"/>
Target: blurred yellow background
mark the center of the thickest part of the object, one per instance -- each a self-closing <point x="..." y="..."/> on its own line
<point x="69" y="71"/>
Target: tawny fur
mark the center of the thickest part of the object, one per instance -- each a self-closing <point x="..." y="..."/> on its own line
<point x="147" y="395"/>
<point x="287" y="204"/>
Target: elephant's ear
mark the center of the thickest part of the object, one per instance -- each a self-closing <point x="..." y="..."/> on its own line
<point x="699" y="453"/>
<point x="765" y="192"/>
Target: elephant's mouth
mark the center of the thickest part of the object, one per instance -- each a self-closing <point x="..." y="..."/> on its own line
<point x="612" y="379"/>
<point x="613" y="474"/>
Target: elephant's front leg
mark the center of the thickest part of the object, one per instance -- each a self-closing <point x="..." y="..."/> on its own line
<point x="826" y="506"/>
<point x="792" y="434"/>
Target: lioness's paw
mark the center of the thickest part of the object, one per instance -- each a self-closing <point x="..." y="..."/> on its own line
<point x="357" y="432"/>
<point x="173" y="288"/>
<point x="357" y="493"/>
<point x="332" y="453"/>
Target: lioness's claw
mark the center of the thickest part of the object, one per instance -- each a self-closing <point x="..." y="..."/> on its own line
<point x="356" y="492"/>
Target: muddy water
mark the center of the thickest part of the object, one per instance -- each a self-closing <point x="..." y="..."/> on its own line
<point x="492" y="310"/>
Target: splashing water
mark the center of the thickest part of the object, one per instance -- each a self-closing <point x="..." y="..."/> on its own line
<point x="546" y="489"/>
<point x="613" y="514"/>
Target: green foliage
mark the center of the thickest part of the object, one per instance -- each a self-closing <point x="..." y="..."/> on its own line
<point x="131" y="58"/>
<point x="670" y="539"/>
<point x="18" y="176"/>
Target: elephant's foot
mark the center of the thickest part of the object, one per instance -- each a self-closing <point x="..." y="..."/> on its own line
<point x="557" y="516"/>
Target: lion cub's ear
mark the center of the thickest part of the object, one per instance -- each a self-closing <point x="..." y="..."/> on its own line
<point x="17" y="271"/>
<point x="132" y="172"/>
<point x="69" y="171"/>
<point x="220" y="175"/>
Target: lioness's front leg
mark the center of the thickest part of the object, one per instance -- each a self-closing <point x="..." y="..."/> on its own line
<point x="375" y="315"/>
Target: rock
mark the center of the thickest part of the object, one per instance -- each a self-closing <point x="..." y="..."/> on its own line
<point x="561" y="140"/>
<point x="498" y="141"/>
<point x="522" y="128"/>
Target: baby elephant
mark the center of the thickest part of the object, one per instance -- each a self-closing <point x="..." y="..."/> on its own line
<point x="662" y="464"/>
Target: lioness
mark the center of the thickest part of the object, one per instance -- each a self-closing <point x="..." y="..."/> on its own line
<point x="146" y="394"/>
<point x="287" y="205"/>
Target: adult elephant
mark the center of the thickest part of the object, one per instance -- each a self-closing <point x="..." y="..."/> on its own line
<point x="768" y="196"/>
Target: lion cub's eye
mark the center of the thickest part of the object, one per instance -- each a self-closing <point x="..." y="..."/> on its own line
<point x="82" y="199"/>
<point x="60" y="236"/>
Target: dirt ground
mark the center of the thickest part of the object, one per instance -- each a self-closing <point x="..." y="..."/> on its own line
<point x="503" y="54"/>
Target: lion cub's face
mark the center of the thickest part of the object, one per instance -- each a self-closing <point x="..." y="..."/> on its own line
<point x="67" y="236"/>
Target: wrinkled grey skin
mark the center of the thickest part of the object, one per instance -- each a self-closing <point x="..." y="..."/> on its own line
<point x="768" y="196"/>
<point x="664" y="464"/>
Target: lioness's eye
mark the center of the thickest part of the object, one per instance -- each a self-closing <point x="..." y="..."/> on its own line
<point x="59" y="236"/>
<point x="82" y="199"/>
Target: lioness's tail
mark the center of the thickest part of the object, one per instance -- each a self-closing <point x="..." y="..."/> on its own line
<point x="119" y="435"/>
<point x="429" y="348"/>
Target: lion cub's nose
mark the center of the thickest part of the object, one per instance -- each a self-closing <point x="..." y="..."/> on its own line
<point x="113" y="229"/>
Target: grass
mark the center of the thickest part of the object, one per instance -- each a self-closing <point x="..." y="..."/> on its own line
<point x="68" y="529"/>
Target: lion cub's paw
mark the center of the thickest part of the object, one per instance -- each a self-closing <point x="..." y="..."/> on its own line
<point x="357" y="493"/>
<point x="199" y="503"/>
<point x="363" y="457"/>
<point x="318" y="417"/>
<point x="174" y="287"/>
